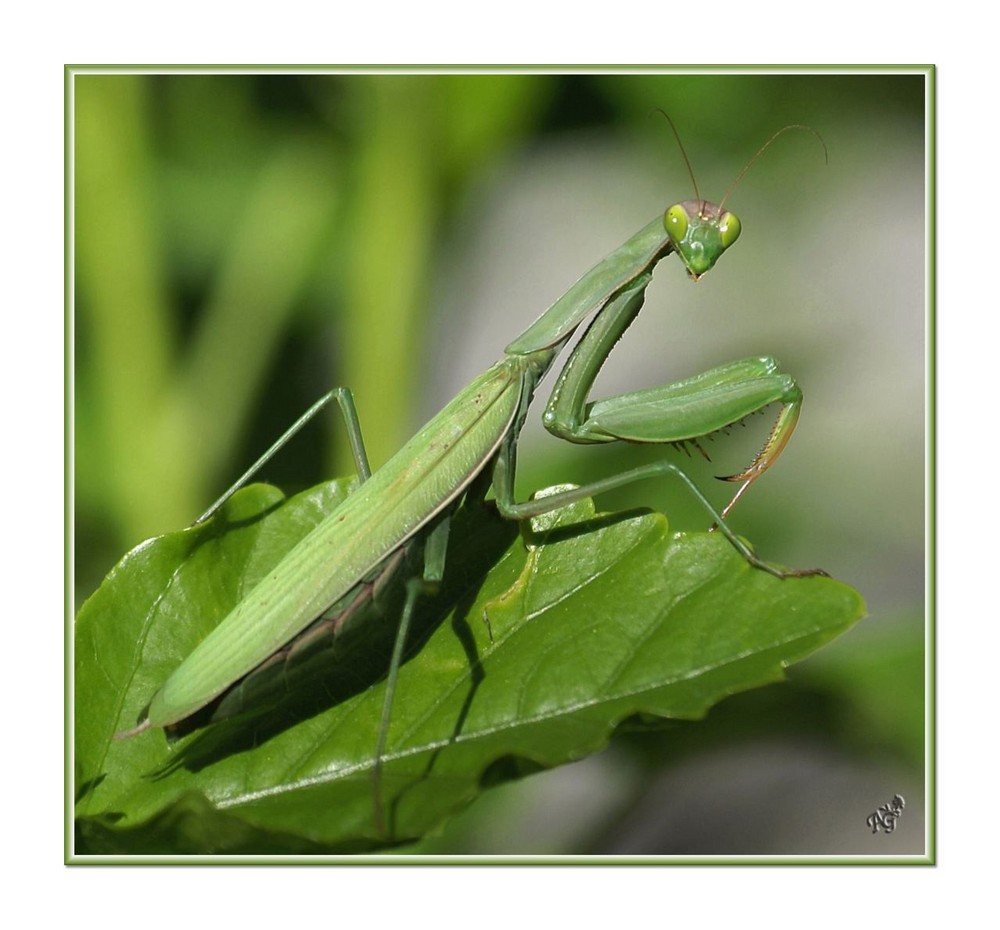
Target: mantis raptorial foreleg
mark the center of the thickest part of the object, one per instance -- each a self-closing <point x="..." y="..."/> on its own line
<point x="678" y="413"/>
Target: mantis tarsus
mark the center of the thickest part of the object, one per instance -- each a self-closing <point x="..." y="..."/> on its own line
<point x="408" y="501"/>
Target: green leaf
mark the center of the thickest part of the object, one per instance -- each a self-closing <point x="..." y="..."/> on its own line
<point x="537" y="646"/>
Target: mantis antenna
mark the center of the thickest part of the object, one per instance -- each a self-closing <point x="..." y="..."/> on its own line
<point x="684" y="154"/>
<point x="764" y="147"/>
<point x="748" y="165"/>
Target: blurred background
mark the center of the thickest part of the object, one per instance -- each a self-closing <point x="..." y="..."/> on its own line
<point x="244" y="242"/>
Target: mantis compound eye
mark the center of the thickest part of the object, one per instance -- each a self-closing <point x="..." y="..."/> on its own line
<point x="675" y="220"/>
<point x="729" y="229"/>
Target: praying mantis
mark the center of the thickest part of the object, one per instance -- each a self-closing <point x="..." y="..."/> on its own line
<point x="403" y="509"/>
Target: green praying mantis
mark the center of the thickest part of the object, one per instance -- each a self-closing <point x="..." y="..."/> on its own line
<point x="405" y="507"/>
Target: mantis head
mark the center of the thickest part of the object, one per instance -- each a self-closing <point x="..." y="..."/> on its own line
<point x="700" y="232"/>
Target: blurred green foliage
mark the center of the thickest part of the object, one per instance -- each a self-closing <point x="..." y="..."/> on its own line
<point x="242" y="242"/>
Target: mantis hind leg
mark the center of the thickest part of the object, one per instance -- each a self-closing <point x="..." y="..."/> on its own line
<point x="345" y="400"/>
<point x="435" y="549"/>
